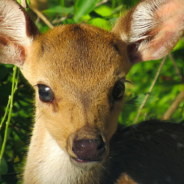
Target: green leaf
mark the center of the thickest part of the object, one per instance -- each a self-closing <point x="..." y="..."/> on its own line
<point x="59" y="9"/>
<point x="102" y="23"/>
<point x="19" y="1"/>
<point x="104" y="11"/>
<point x="44" y="29"/>
<point x="3" y="167"/>
<point x="180" y="45"/>
<point x="85" y="18"/>
<point x="62" y="3"/>
<point x="28" y="2"/>
<point x="118" y="9"/>
<point x="83" y="7"/>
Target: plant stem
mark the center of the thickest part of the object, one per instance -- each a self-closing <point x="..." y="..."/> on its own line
<point x="10" y="106"/>
<point x="149" y="92"/>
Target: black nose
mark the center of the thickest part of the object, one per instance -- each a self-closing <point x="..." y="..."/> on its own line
<point x="89" y="149"/>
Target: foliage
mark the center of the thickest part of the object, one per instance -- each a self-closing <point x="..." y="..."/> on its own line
<point x="103" y="14"/>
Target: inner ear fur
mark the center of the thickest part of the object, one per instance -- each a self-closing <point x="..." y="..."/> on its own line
<point x="151" y="29"/>
<point x="17" y="33"/>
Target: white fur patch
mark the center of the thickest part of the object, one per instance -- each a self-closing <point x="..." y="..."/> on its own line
<point x="56" y="167"/>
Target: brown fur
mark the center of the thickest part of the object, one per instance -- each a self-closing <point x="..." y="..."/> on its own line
<point x="82" y="64"/>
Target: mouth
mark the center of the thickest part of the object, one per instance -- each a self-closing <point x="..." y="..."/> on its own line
<point x="78" y="160"/>
<point x="84" y="164"/>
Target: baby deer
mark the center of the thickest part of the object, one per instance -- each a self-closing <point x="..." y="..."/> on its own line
<point x="78" y="72"/>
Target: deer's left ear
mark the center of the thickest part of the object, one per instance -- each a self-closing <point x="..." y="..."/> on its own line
<point x="151" y="29"/>
<point x="17" y="33"/>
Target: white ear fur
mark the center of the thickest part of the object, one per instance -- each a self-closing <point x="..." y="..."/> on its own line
<point x="15" y="36"/>
<point x="152" y="28"/>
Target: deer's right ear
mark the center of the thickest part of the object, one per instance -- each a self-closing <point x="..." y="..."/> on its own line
<point x="17" y="33"/>
<point x="151" y="29"/>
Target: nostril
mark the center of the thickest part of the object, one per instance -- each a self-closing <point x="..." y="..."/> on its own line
<point x="89" y="149"/>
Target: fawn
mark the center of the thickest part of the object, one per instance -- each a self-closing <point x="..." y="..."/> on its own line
<point x="78" y="72"/>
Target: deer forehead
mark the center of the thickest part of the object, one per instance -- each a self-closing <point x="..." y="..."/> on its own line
<point x="81" y="56"/>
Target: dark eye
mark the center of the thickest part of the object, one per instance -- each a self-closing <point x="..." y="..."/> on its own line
<point x="45" y="93"/>
<point x="119" y="90"/>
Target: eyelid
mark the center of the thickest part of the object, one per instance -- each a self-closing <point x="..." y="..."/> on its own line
<point x="122" y="80"/>
<point x="127" y="81"/>
<point x="39" y="84"/>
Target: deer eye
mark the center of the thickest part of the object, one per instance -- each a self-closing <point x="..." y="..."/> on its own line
<point x="118" y="90"/>
<point x="45" y="93"/>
